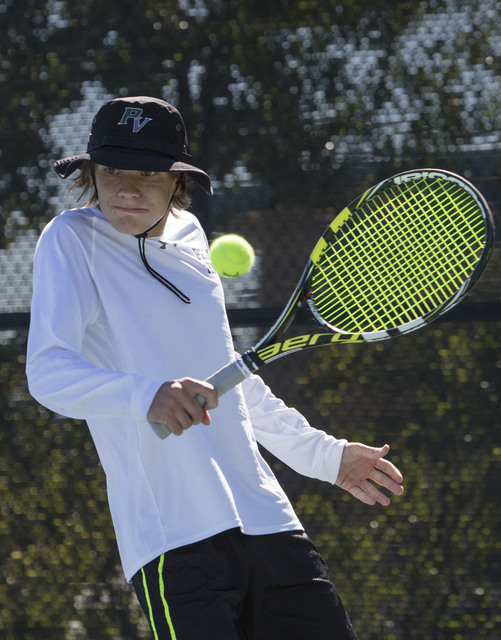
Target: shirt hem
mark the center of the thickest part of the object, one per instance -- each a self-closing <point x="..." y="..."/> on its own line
<point x="236" y="524"/>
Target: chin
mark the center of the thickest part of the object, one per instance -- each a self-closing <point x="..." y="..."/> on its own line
<point x="127" y="229"/>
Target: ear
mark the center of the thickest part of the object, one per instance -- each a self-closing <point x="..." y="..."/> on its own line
<point x="178" y="177"/>
<point x="178" y="187"/>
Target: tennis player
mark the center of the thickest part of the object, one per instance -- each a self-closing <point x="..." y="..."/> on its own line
<point x="128" y="318"/>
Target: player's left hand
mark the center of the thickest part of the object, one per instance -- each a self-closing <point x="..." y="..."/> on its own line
<point x="362" y="468"/>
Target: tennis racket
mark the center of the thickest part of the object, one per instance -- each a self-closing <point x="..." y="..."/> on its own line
<point x="395" y="259"/>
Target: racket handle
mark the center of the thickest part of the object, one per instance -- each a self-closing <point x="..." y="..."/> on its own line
<point x="227" y="378"/>
<point x="162" y="430"/>
<point x="223" y="380"/>
<point x="233" y="373"/>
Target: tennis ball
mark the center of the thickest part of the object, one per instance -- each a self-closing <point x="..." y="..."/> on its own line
<point x="231" y="255"/>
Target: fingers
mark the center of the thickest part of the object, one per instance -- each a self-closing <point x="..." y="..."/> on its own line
<point x="384" y="472"/>
<point x="176" y="404"/>
<point x="388" y="477"/>
<point x="367" y="493"/>
<point x="364" y="472"/>
<point x="387" y="467"/>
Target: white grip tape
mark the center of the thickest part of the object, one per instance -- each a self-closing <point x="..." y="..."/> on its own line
<point x="162" y="430"/>
<point x="229" y="376"/>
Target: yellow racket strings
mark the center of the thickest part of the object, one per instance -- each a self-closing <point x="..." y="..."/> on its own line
<point x="403" y="254"/>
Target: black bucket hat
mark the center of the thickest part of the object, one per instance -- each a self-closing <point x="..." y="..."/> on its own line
<point x="138" y="133"/>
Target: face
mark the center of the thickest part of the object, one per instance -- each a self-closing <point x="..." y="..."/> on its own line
<point x="132" y="201"/>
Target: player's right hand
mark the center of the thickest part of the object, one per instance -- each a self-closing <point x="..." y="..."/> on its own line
<point x="175" y="404"/>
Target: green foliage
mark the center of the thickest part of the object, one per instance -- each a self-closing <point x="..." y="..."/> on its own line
<point x="295" y="92"/>
<point x="61" y="572"/>
<point x="315" y="100"/>
<point x="429" y="565"/>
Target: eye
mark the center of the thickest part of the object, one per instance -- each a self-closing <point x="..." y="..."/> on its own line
<point x="149" y="174"/>
<point x="110" y="171"/>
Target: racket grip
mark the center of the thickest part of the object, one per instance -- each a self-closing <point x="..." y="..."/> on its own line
<point x="223" y="380"/>
<point x="162" y="430"/>
<point x="227" y="378"/>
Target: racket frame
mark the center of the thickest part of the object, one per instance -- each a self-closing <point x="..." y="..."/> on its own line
<point x="270" y="348"/>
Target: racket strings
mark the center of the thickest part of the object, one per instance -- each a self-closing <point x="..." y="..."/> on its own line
<point x="413" y="269"/>
<point x="397" y="294"/>
<point x="437" y="241"/>
<point x="402" y="255"/>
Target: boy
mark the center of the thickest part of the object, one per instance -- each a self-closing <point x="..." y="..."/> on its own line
<point x="128" y="319"/>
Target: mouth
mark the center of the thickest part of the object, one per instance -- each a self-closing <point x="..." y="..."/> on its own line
<point x="123" y="209"/>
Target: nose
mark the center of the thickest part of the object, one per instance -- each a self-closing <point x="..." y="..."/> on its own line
<point x="128" y="186"/>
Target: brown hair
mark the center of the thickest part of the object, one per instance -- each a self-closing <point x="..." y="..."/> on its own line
<point x="84" y="182"/>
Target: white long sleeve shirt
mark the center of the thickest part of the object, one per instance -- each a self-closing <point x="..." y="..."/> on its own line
<point x="105" y="335"/>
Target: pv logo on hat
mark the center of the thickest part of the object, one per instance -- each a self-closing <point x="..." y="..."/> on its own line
<point x="135" y="114"/>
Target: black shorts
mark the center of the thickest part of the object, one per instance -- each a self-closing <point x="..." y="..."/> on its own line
<point x="238" y="587"/>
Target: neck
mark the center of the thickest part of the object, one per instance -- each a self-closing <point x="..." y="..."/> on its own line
<point x="158" y="232"/>
<point x="155" y="229"/>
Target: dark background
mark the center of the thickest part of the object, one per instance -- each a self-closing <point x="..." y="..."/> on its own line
<point x="294" y="108"/>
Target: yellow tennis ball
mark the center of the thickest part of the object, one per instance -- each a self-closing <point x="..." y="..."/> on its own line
<point x="231" y="255"/>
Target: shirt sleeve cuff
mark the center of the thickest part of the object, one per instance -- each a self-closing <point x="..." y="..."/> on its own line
<point x="142" y="397"/>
